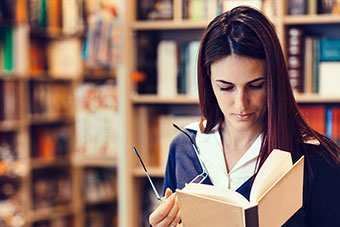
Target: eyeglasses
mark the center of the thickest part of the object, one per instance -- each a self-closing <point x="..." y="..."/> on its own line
<point x="198" y="179"/>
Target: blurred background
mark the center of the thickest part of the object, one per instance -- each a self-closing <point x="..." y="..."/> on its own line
<point x="82" y="81"/>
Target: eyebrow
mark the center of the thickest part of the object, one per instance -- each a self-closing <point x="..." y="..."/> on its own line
<point x="252" y="81"/>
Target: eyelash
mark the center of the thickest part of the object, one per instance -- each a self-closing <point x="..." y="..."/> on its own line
<point x="254" y="87"/>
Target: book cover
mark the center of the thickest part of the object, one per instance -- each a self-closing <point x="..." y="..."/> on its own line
<point x="275" y="196"/>
<point x="330" y="49"/>
<point x="167" y="69"/>
<point x="329" y="78"/>
<point x="297" y="7"/>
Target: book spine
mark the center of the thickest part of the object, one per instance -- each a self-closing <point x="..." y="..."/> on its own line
<point x="295" y="59"/>
<point x="297" y="7"/>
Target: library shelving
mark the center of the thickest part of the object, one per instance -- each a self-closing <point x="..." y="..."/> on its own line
<point x="147" y="108"/>
<point x="43" y="180"/>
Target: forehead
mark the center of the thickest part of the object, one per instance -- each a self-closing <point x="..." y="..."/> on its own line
<point x="237" y="68"/>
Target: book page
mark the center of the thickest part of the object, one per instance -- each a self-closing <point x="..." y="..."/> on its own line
<point x="283" y="198"/>
<point x="222" y="194"/>
<point x="276" y="165"/>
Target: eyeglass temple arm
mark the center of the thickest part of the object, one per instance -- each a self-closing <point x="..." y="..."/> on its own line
<point x="147" y="174"/>
<point x="195" y="148"/>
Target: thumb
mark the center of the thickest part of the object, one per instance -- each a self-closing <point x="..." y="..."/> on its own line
<point x="168" y="192"/>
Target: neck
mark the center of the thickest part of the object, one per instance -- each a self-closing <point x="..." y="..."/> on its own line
<point x="238" y="140"/>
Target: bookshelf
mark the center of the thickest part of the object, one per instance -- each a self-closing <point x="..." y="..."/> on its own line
<point x="41" y="67"/>
<point x="144" y="107"/>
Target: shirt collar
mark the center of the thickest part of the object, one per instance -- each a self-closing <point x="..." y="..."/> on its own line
<point x="209" y="141"/>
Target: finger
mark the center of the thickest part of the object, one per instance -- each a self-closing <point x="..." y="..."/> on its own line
<point x="168" y="192"/>
<point x="162" y="211"/>
<point x="172" y="215"/>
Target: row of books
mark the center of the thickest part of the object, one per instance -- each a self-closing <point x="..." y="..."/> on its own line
<point x="104" y="215"/>
<point x="14" y="49"/>
<point x="300" y="7"/>
<point x="56" y="222"/>
<point x="324" y="119"/>
<point x="208" y="9"/>
<point x="50" y="99"/>
<point x="102" y="43"/>
<point x="59" y="58"/>
<point x="313" y="63"/>
<point x="56" y="16"/>
<point x="13" y="11"/>
<point x="9" y="100"/>
<point x="96" y="121"/>
<point x="176" y="68"/>
<point x="50" y="188"/>
<point x="49" y="143"/>
<point x="195" y="9"/>
<point x="11" y="212"/>
<point x="11" y="163"/>
<point x="163" y="132"/>
<point x="99" y="185"/>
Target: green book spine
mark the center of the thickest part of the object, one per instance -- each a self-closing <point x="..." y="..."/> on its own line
<point x="8" y="50"/>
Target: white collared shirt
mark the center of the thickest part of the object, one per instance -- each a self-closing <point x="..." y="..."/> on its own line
<point x="211" y="153"/>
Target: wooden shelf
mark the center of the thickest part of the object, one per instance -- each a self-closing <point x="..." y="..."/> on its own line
<point x="155" y="99"/>
<point x="153" y="172"/>
<point x="111" y="199"/>
<point x="169" y="25"/>
<point x="311" y="19"/>
<point x="53" y="162"/>
<point x="45" y="119"/>
<point x="50" y="213"/>
<point x="95" y="162"/>
<point x="315" y="98"/>
<point x="8" y="126"/>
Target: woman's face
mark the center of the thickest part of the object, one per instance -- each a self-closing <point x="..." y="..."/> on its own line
<point x="239" y="84"/>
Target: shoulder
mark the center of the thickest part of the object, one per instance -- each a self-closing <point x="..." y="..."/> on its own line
<point x="320" y="158"/>
<point x="322" y="189"/>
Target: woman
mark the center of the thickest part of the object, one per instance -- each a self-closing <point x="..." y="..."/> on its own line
<point x="248" y="109"/>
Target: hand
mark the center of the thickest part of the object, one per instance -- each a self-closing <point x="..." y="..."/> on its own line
<point x="167" y="213"/>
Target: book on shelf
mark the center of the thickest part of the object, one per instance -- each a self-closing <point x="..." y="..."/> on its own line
<point x="315" y="116"/>
<point x="96" y="121"/>
<point x="275" y="196"/>
<point x="51" y="187"/>
<point x="50" y="143"/>
<point x="155" y="9"/>
<point x="295" y="58"/>
<point x="14" y="50"/>
<point x="99" y="185"/>
<point x="50" y="99"/>
<point x="167" y="69"/>
<point x="64" y="58"/>
<point x="13" y="11"/>
<point x="56" y="16"/>
<point x="176" y="68"/>
<point x="9" y="100"/>
<point x="297" y="7"/>
<point x="167" y="132"/>
<point x="230" y="4"/>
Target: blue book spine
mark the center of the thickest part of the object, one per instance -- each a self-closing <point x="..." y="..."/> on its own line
<point x="316" y="65"/>
<point x="330" y="49"/>
<point x="329" y="122"/>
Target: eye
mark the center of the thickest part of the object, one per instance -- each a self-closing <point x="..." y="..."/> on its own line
<point x="226" y="88"/>
<point x="256" y="86"/>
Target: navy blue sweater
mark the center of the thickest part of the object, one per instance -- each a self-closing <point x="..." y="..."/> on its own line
<point x="321" y="192"/>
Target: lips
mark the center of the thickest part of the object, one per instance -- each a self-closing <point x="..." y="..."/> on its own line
<point x="243" y="117"/>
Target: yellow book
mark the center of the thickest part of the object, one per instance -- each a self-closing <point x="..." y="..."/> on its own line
<point x="275" y="196"/>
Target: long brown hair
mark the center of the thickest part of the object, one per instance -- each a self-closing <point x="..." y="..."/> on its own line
<point x="246" y="32"/>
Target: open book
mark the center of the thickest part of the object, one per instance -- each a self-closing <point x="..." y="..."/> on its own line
<point x="275" y="196"/>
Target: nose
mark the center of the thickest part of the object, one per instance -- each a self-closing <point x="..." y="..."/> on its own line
<point x="241" y="101"/>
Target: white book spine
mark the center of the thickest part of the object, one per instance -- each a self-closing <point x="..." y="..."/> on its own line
<point x="329" y="79"/>
<point x="167" y="69"/>
<point x="192" y="88"/>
